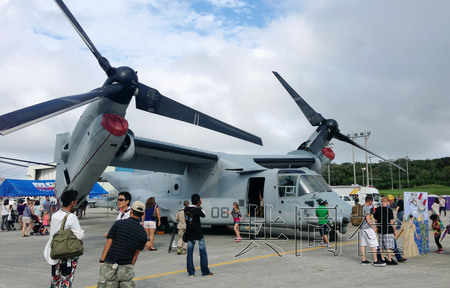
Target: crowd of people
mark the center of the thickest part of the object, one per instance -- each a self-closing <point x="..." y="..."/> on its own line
<point x="136" y="224"/>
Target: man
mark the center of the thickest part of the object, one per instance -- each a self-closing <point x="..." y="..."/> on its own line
<point x="182" y="246"/>
<point x="63" y="270"/>
<point x="385" y="217"/>
<point x="20" y="208"/>
<point x="322" y="214"/>
<point x="368" y="234"/>
<point x="47" y="205"/>
<point x="194" y="232"/>
<point x="442" y="206"/>
<point x="125" y="240"/>
<point x="123" y="203"/>
<point x="400" y="210"/>
<point x="356" y="217"/>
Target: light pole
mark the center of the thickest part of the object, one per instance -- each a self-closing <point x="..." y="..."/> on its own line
<point x="353" y="136"/>
<point x="363" y="169"/>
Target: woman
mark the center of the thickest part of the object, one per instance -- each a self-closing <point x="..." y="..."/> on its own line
<point x="150" y="222"/>
<point x="5" y="214"/>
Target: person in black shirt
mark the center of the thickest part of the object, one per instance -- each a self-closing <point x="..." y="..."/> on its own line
<point x="125" y="240"/>
<point x="385" y="221"/>
<point x="194" y="235"/>
<point x="400" y="211"/>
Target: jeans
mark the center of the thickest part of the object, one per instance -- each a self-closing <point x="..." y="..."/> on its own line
<point x="400" y="219"/>
<point x="203" y="257"/>
<point x="5" y="220"/>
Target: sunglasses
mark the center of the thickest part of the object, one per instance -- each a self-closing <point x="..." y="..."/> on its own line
<point x="119" y="200"/>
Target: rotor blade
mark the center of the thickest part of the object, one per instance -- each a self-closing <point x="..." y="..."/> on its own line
<point x="19" y="119"/>
<point x="27" y="161"/>
<point x="104" y="63"/>
<point x="345" y="138"/>
<point x="150" y="100"/>
<point x="313" y="117"/>
<point x="14" y="164"/>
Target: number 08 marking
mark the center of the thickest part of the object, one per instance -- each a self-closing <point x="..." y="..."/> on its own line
<point x="217" y="212"/>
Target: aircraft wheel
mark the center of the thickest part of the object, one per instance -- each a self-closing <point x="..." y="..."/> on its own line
<point x="333" y="235"/>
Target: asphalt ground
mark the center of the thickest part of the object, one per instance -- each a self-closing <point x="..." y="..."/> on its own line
<point x="265" y="263"/>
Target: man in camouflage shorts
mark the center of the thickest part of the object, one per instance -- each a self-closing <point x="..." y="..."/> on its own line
<point x="125" y="240"/>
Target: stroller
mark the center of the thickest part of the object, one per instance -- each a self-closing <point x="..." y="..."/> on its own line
<point x="37" y="226"/>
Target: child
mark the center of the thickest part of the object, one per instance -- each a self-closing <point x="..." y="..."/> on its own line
<point x="437" y="232"/>
<point x="237" y="216"/>
<point x="45" y="223"/>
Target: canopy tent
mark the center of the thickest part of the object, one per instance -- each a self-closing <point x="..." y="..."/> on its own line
<point x="30" y="188"/>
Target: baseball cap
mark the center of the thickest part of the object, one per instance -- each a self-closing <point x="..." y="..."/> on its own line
<point x="390" y="197"/>
<point x="138" y="206"/>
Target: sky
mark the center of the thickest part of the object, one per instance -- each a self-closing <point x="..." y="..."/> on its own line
<point x="378" y="66"/>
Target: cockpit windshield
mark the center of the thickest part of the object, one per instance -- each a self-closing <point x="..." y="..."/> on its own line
<point x="299" y="185"/>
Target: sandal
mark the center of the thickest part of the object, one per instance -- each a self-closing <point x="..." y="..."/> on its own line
<point x="153" y="249"/>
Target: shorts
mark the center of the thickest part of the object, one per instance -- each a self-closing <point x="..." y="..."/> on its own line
<point x="323" y="229"/>
<point x="26" y="220"/>
<point x="150" y="224"/>
<point x="368" y="238"/>
<point x="387" y="241"/>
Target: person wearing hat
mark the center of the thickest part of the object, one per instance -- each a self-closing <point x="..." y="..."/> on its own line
<point x="322" y="214"/>
<point x="125" y="240"/>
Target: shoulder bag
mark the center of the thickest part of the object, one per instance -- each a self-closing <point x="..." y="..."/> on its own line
<point x="65" y="244"/>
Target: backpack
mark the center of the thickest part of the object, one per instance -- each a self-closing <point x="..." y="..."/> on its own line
<point x="356" y="217"/>
<point x="65" y="244"/>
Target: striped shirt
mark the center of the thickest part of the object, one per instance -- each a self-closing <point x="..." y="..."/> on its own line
<point x="128" y="236"/>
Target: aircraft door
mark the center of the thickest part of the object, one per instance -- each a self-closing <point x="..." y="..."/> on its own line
<point x="175" y="189"/>
<point x="255" y="196"/>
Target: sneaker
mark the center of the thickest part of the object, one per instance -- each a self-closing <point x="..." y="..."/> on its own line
<point x="328" y="245"/>
<point x="403" y="259"/>
<point x="365" y="262"/>
<point x="208" y="275"/>
<point x="441" y="252"/>
<point x="321" y="244"/>
<point x="379" y="263"/>
<point x="191" y="276"/>
<point x="392" y="262"/>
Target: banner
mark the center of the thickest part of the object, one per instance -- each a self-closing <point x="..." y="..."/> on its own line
<point x="416" y="210"/>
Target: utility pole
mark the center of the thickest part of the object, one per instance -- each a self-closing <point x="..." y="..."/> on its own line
<point x="407" y="171"/>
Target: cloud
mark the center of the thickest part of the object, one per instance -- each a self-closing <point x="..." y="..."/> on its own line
<point x="379" y="66"/>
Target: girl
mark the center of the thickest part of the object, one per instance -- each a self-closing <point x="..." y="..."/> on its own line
<point x="437" y="232"/>
<point x="45" y="223"/>
<point x="237" y="216"/>
<point x="150" y="222"/>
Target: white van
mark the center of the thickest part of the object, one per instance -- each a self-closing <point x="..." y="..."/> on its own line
<point x="353" y="190"/>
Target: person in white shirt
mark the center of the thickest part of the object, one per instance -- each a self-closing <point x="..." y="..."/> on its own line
<point x="123" y="203"/>
<point x="63" y="270"/>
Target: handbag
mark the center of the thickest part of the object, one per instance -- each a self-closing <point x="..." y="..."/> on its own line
<point x="65" y="244"/>
<point x="155" y="214"/>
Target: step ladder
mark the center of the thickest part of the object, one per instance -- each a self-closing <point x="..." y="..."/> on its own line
<point x="251" y="228"/>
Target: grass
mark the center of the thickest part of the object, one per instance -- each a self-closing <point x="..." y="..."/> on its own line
<point x="431" y="189"/>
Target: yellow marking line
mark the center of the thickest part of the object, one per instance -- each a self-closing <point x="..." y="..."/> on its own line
<point x="355" y="191"/>
<point x="230" y="262"/>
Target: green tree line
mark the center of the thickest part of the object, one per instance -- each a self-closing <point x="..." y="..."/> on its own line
<point x="385" y="176"/>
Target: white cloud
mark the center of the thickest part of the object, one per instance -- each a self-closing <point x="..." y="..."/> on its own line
<point x="378" y="66"/>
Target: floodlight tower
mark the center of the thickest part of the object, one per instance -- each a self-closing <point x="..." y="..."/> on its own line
<point x="353" y="136"/>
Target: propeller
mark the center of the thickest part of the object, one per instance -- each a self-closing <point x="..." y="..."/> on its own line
<point x="121" y="85"/>
<point x="328" y="128"/>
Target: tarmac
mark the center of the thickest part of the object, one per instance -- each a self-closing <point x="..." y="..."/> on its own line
<point x="263" y="262"/>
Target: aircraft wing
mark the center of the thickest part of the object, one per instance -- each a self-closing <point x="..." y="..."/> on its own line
<point x="165" y="157"/>
<point x="296" y="160"/>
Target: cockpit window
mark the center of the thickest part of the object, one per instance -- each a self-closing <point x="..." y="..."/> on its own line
<point x="309" y="184"/>
<point x="287" y="185"/>
<point x="376" y="197"/>
<point x="324" y="183"/>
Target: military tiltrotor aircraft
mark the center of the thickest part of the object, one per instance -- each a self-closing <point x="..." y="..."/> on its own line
<point x="102" y="133"/>
<point x="290" y="185"/>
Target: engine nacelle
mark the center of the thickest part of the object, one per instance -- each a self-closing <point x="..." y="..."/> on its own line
<point x="127" y="150"/>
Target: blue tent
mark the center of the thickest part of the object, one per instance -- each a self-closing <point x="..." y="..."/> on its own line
<point x="30" y="188"/>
